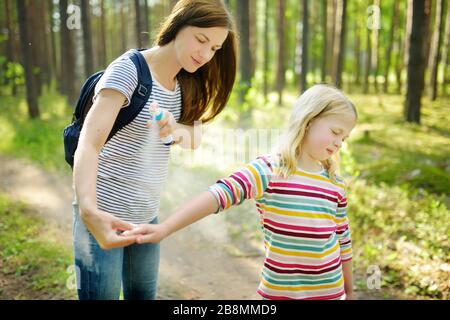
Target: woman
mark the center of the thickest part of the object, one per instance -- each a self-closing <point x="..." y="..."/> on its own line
<point x="118" y="184"/>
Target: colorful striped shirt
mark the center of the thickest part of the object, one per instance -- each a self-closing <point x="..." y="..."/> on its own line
<point x="305" y="226"/>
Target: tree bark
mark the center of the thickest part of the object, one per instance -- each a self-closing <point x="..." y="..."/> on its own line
<point x="266" y="51"/>
<point x="31" y="86"/>
<point x="281" y="67"/>
<point x="394" y="25"/>
<point x="435" y="55"/>
<point x="305" y="31"/>
<point x="87" y="37"/>
<point x="368" y="60"/>
<point x="243" y="19"/>
<point x="323" y="75"/>
<point x="445" y="52"/>
<point x="416" y="61"/>
<point x="67" y="56"/>
<point x="339" y="43"/>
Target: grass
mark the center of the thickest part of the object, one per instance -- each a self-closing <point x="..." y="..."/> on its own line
<point x="39" y="140"/>
<point x="31" y="254"/>
<point x="398" y="176"/>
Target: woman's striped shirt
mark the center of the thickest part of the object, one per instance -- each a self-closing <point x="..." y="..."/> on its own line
<point x="305" y="228"/>
<point x="133" y="163"/>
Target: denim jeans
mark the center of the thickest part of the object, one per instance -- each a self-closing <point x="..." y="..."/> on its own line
<point x="100" y="274"/>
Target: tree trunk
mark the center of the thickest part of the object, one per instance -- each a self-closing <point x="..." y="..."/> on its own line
<point x="139" y="28"/>
<point x="368" y="60"/>
<point x="339" y="43"/>
<point x="435" y="49"/>
<point x="34" y="39"/>
<point x="445" y="52"/>
<point x="87" y="37"/>
<point x="31" y="89"/>
<point x="9" y="43"/>
<point x="253" y="35"/>
<point x="408" y="28"/>
<point x="281" y="67"/>
<point x="53" y="54"/>
<point x="399" y="64"/>
<point x="102" y="51"/>
<point x="394" y="24"/>
<point x="266" y="51"/>
<point x="243" y="19"/>
<point x="376" y="49"/>
<point x="323" y="75"/>
<point x="357" y="50"/>
<point x="146" y="26"/>
<point x="331" y="34"/>
<point x="67" y="56"/>
<point x="123" y="27"/>
<point x="305" y="31"/>
<point x="416" y="63"/>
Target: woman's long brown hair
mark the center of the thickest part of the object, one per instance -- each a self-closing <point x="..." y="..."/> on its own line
<point x="206" y="91"/>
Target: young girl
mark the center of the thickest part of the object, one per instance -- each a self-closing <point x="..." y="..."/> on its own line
<point x="118" y="184"/>
<point x="301" y="201"/>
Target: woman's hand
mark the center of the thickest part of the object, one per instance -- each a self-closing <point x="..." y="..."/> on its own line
<point x="166" y="124"/>
<point x="148" y="233"/>
<point x="105" y="228"/>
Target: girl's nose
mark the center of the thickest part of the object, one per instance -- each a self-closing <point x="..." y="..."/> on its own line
<point x="338" y="143"/>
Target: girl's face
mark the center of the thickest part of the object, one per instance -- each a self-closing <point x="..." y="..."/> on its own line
<point x="325" y="136"/>
<point x="194" y="47"/>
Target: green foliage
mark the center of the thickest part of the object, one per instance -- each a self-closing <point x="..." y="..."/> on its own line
<point x="39" y="139"/>
<point x="31" y="253"/>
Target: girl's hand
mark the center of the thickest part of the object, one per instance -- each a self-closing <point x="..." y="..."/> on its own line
<point x="148" y="233"/>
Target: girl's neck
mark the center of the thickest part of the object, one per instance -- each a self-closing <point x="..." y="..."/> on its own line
<point x="307" y="163"/>
<point x="164" y="64"/>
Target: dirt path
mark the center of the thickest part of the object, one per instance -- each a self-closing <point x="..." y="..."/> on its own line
<point x="194" y="263"/>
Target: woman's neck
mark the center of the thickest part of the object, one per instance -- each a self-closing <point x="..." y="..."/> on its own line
<point x="164" y="64"/>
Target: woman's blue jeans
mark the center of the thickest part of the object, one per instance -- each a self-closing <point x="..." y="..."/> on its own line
<point x="100" y="274"/>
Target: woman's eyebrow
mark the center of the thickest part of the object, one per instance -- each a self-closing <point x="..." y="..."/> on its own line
<point x="205" y="36"/>
<point x="217" y="45"/>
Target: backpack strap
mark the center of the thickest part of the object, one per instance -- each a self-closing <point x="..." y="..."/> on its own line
<point x="140" y="95"/>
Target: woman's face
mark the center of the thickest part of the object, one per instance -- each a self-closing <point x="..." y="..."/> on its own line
<point x="326" y="135"/>
<point x="195" y="46"/>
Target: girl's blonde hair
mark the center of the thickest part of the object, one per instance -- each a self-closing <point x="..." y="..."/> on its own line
<point x="317" y="102"/>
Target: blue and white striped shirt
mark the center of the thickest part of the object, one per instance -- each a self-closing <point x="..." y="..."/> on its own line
<point x="133" y="163"/>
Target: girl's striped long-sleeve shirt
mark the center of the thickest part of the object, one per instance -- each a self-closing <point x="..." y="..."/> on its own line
<point x="305" y="226"/>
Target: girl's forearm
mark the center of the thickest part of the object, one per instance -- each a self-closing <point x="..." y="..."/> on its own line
<point x="348" y="277"/>
<point x="194" y="210"/>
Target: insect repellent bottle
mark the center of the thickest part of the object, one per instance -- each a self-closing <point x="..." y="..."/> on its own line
<point x="157" y="115"/>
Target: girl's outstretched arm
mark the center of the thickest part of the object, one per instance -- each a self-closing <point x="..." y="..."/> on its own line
<point x="197" y="208"/>
<point x="249" y="182"/>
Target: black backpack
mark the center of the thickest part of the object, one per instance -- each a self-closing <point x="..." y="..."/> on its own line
<point x="140" y="97"/>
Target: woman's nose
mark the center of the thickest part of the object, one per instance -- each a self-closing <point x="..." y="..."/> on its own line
<point x="205" y="54"/>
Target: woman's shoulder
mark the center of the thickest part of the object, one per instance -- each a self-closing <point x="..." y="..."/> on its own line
<point x="124" y="60"/>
